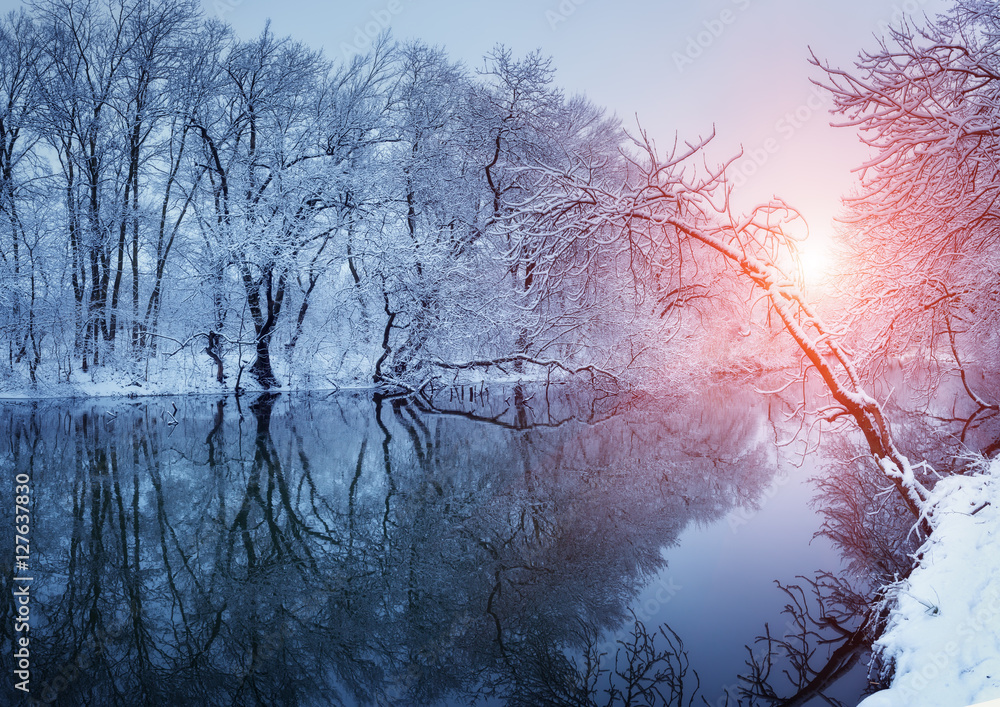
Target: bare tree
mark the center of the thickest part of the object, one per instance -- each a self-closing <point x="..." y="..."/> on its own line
<point x="923" y="226"/>
<point x="522" y="121"/>
<point x="102" y="109"/>
<point x="21" y="262"/>
<point x="666" y="204"/>
<point x="417" y="250"/>
<point x="276" y="151"/>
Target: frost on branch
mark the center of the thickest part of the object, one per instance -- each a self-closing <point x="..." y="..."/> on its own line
<point x="663" y="206"/>
<point x="923" y="227"/>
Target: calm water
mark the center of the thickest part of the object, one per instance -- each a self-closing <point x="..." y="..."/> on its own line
<point x="344" y="549"/>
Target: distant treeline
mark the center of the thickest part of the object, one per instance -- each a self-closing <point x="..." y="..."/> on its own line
<point x="168" y="186"/>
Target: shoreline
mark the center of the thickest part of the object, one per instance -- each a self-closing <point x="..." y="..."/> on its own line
<point x="942" y="635"/>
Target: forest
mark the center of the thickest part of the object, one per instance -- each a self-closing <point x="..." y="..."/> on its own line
<point x="180" y="202"/>
<point x="168" y="187"/>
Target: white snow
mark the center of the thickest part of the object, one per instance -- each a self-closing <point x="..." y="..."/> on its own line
<point x="943" y="634"/>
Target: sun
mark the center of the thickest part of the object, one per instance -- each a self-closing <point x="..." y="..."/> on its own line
<point x="815" y="260"/>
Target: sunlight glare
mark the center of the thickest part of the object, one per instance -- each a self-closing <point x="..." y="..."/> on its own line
<point x="815" y="260"/>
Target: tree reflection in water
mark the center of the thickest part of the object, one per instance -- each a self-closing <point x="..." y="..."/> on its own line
<point x="833" y="619"/>
<point x="367" y="550"/>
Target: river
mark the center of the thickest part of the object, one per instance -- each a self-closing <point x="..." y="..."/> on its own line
<point x="354" y="549"/>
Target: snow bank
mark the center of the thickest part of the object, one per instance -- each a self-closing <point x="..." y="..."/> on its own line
<point x="943" y="634"/>
<point x="109" y="384"/>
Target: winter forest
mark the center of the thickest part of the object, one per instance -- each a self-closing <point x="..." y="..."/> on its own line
<point x="168" y="187"/>
<point x="173" y="196"/>
<point x="183" y="209"/>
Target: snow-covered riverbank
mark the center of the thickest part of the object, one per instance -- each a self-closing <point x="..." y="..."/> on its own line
<point x="943" y="636"/>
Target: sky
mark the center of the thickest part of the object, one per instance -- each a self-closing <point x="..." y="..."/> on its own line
<point x="674" y="68"/>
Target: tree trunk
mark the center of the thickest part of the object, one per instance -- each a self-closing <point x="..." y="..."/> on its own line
<point x="378" y="378"/>
<point x="213" y="352"/>
<point x="264" y="320"/>
<point x="261" y="369"/>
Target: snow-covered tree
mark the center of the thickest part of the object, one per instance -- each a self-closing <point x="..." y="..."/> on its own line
<point x="103" y="108"/>
<point x="416" y="242"/>
<point x="379" y="220"/>
<point x="667" y="206"/>
<point x="278" y="151"/>
<point x="923" y="226"/>
<point x="22" y="260"/>
<point x="521" y="122"/>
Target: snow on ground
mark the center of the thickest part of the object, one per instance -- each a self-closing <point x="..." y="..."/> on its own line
<point x="943" y="635"/>
<point x="112" y="384"/>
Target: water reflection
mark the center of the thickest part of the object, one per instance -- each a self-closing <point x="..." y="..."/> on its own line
<point x="833" y="619"/>
<point x="357" y="550"/>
